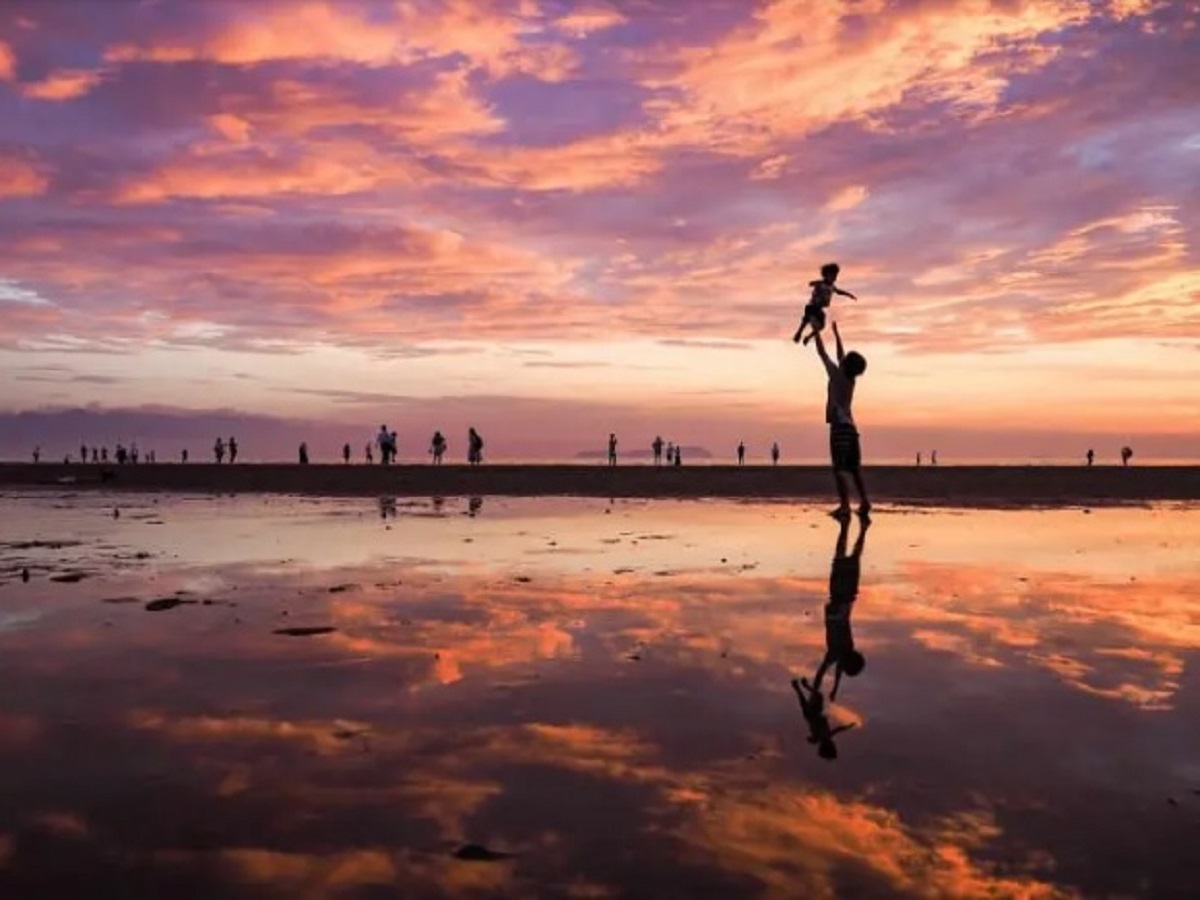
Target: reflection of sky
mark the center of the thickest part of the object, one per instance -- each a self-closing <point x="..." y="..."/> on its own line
<point x="1027" y="708"/>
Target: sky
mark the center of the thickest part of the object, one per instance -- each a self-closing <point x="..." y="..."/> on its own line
<point x="554" y="220"/>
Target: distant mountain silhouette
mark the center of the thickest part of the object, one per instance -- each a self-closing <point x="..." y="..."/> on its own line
<point x="688" y="453"/>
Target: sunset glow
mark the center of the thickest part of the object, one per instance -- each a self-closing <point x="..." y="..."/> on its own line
<point x="554" y="220"/>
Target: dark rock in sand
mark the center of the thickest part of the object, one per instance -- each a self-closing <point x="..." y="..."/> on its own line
<point x="165" y="603"/>
<point x="305" y="632"/>
<point x="117" y="600"/>
<point x="342" y="588"/>
<point x="479" y="853"/>
<point x="69" y="577"/>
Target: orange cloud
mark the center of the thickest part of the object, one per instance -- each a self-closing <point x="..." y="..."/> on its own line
<point x="794" y="69"/>
<point x="486" y="34"/>
<point x="585" y="19"/>
<point x="8" y="63"/>
<point x="20" y="178"/>
<point x="64" y="84"/>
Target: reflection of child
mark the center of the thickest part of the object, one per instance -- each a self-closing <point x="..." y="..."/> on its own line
<point x="822" y="295"/>
<point x="813" y="708"/>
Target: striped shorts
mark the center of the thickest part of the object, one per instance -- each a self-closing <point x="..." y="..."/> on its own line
<point x="845" y="453"/>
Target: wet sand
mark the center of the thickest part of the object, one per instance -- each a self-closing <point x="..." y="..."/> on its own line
<point x="258" y="697"/>
<point x="944" y="486"/>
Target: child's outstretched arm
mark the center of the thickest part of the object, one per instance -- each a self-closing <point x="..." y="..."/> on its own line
<point x="838" y="290"/>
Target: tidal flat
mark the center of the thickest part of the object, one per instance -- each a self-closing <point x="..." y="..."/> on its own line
<point x="272" y="696"/>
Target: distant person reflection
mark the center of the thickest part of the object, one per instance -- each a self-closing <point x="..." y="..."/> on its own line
<point x="840" y="652"/>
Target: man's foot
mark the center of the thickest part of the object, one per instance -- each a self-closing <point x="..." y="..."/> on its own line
<point x="809" y="338"/>
<point x="841" y="513"/>
<point x="864" y="512"/>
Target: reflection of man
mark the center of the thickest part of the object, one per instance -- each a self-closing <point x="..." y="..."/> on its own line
<point x="840" y="652"/>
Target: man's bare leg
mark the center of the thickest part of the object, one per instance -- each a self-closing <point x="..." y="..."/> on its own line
<point x="843" y="496"/>
<point x="864" y="505"/>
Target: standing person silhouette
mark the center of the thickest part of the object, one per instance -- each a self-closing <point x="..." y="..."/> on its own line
<point x="474" y="447"/>
<point x="840" y="653"/>
<point x="383" y="439"/>
<point x="1126" y="455"/>
<point x="657" y="447"/>
<point x="437" y="447"/>
<point x="775" y="453"/>
<point x="845" y="451"/>
<point x="219" y="450"/>
<point x="741" y="452"/>
<point x="1091" y="457"/>
<point x="233" y="450"/>
<point x="345" y="454"/>
<point x="612" y="449"/>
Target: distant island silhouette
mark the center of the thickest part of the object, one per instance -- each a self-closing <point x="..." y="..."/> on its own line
<point x="688" y="453"/>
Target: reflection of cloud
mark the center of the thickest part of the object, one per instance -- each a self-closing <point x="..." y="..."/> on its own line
<point x="325" y="738"/>
<point x="1124" y="640"/>
<point x="302" y="875"/>
<point x="63" y="824"/>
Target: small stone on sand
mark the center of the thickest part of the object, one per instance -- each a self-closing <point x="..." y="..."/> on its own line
<point x="305" y="632"/>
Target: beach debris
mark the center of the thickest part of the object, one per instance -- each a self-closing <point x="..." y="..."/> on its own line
<point x="25" y="575"/>
<point x="306" y="632"/>
<point x="116" y="513"/>
<point x="479" y="853"/>
<point x="164" y="603"/>
<point x="120" y="600"/>
<point x="69" y="577"/>
<point x="342" y="588"/>
<point x="523" y="579"/>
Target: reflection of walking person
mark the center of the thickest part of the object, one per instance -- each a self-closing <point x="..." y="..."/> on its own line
<point x="844" y="449"/>
<point x="840" y="652"/>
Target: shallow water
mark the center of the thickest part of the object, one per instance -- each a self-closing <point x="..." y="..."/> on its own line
<point x="279" y="697"/>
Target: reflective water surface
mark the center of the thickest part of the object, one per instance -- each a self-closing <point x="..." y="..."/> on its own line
<point x="276" y="697"/>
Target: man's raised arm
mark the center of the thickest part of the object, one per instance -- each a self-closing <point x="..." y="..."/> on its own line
<point x="830" y="365"/>
<point x="841" y="352"/>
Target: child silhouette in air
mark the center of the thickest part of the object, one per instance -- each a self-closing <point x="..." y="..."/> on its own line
<point x="822" y="295"/>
